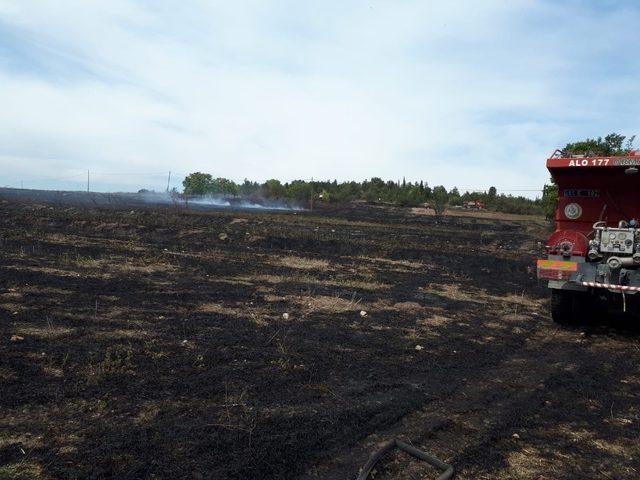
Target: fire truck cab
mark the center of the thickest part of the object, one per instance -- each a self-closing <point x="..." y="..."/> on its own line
<point x="593" y="257"/>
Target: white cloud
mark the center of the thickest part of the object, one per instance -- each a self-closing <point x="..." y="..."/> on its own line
<point x="462" y="93"/>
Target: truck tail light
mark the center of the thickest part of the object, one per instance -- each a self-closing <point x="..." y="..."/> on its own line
<point x="556" y="269"/>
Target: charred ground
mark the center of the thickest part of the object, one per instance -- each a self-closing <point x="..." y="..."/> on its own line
<point x="151" y="343"/>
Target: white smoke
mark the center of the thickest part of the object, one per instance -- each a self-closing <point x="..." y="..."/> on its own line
<point x="211" y="201"/>
<point x="218" y="201"/>
<point x="144" y="197"/>
<point x="243" y="203"/>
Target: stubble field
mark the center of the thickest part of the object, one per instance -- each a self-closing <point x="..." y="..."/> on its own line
<point x="165" y="343"/>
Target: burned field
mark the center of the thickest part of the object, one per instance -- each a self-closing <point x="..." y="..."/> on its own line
<point x="156" y="343"/>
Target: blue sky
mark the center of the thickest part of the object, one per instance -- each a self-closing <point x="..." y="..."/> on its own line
<point x="463" y="93"/>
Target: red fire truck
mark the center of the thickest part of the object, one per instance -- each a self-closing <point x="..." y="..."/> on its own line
<point x="593" y="257"/>
<point x="474" y="205"/>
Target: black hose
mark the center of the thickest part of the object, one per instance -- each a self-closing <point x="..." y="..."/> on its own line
<point x="414" y="452"/>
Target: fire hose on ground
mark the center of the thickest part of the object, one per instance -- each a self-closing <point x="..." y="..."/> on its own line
<point x="447" y="470"/>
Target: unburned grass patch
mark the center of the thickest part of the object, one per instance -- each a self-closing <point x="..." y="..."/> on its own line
<point x="302" y="263"/>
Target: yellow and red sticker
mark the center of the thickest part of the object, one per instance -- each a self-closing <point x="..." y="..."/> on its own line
<point x="557" y="265"/>
<point x="556" y="269"/>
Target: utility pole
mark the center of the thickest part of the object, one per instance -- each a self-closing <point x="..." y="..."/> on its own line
<point x="87" y="181"/>
<point x="169" y="180"/>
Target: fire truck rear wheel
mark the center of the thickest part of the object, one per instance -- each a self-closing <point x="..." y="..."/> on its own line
<point x="565" y="306"/>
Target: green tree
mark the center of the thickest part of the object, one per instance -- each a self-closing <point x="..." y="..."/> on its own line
<point x="427" y="191"/>
<point x="273" y="189"/>
<point x="440" y="199"/>
<point x="299" y="190"/>
<point x="411" y="196"/>
<point x="400" y="193"/>
<point x="223" y="186"/>
<point x="249" y="188"/>
<point x="197" y="183"/>
<point x="374" y="189"/>
<point x="454" y="197"/>
<point x="550" y="200"/>
<point x="612" y="144"/>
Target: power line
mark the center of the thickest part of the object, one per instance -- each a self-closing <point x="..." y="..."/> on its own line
<point x="90" y="175"/>
<point x="107" y="174"/>
<point x="47" y="177"/>
<point x="94" y="173"/>
<point x="521" y="190"/>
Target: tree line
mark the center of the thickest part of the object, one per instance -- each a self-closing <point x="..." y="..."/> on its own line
<point x="402" y="193"/>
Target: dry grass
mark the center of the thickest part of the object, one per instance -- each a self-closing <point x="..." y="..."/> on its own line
<point x="217" y="308"/>
<point x="49" y="331"/>
<point x="408" y="307"/>
<point x="25" y="470"/>
<point x="404" y="307"/>
<point x="273" y="298"/>
<point x="148" y="411"/>
<point x="124" y="333"/>
<point x="301" y="263"/>
<point x="434" y="320"/>
<point x="258" y="316"/>
<point x="327" y="304"/>
<point x="529" y="463"/>
<point x="72" y="272"/>
<point x="12" y="295"/>
<point x="486" y="214"/>
<point x="133" y="267"/>
<point x="481" y="296"/>
<point x="390" y="265"/>
<point x="190" y="233"/>
<point x="306" y="279"/>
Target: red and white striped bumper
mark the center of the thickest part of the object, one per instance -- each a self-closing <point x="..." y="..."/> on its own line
<point x="610" y="286"/>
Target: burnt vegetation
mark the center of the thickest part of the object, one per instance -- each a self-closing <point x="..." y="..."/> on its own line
<point x="160" y="343"/>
